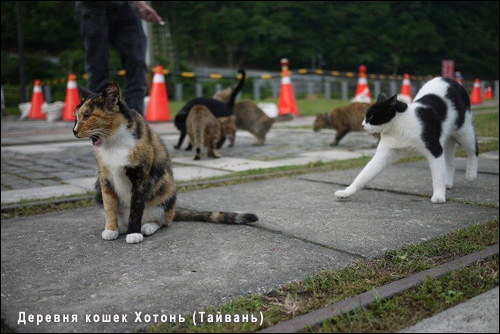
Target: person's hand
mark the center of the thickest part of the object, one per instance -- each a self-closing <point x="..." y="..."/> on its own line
<point x="147" y="13"/>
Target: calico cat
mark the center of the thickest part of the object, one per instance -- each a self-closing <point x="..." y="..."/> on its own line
<point x="135" y="184"/>
<point x="216" y="107"/>
<point x="203" y="129"/>
<point x="248" y="117"/>
<point x="343" y="119"/>
<point x="439" y="117"/>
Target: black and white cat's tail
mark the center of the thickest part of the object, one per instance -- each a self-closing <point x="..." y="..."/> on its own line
<point x="183" y="214"/>
<point x="238" y="88"/>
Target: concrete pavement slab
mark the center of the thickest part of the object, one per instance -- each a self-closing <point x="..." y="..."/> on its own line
<point x="59" y="264"/>
<point x="87" y="183"/>
<point x="14" y="196"/>
<point x="490" y="155"/>
<point x="365" y="225"/>
<point x="477" y="315"/>
<point x="225" y="163"/>
<point x="415" y="178"/>
<point x="189" y="173"/>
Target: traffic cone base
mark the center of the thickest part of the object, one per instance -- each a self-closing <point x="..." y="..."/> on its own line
<point x="157" y="109"/>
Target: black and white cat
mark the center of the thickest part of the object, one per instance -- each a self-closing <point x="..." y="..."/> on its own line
<point x="439" y="117"/>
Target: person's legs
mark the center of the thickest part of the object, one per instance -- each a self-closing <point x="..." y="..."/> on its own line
<point x="128" y="37"/>
<point x="94" y="30"/>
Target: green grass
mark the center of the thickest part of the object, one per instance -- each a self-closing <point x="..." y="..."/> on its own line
<point x="429" y="298"/>
<point x="327" y="287"/>
<point x="37" y="209"/>
<point x="486" y="125"/>
<point x="314" y="106"/>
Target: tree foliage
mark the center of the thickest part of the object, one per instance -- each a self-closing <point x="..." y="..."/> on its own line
<point x="388" y="37"/>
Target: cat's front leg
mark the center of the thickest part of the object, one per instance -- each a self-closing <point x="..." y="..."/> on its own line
<point x="438" y="170"/>
<point x="137" y="204"/>
<point x="382" y="158"/>
<point x="110" y="203"/>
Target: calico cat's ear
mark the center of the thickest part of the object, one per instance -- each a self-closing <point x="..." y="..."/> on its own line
<point x="111" y="93"/>
<point x="84" y="93"/>
<point x="381" y="97"/>
<point x="398" y="105"/>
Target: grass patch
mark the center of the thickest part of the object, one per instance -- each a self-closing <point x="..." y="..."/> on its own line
<point x="37" y="209"/>
<point x="318" y="105"/>
<point x="487" y="107"/>
<point x="483" y="148"/>
<point x="327" y="287"/>
<point x="486" y="125"/>
<point x="429" y="298"/>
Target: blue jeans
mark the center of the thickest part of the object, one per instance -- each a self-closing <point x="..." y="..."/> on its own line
<point x="116" y="23"/>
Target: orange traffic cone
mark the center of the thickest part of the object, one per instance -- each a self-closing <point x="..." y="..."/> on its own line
<point x="286" y="100"/>
<point x="36" y="102"/>
<point x="362" y="90"/>
<point x="72" y="99"/>
<point x="405" y="93"/>
<point x="488" y="94"/>
<point x="157" y="109"/>
<point x="475" y="95"/>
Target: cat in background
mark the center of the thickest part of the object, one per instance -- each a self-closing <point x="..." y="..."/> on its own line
<point x="343" y="119"/>
<point x="204" y="129"/>
<point x="248" y="117"/>
<point x="439" y="117"/>
<point x="135" y="184"/>
<point x="216" y="107"/>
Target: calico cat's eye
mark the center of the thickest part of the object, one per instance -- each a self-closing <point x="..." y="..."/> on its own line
<point x="86" y="116"/>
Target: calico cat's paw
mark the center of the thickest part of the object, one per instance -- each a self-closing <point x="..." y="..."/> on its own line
<point x="438" y="199"/>
<point x="149" y="228"/>
<point x="343" y="193"/>
<point x="134" y="238"/>
<point x="109" y="234"/>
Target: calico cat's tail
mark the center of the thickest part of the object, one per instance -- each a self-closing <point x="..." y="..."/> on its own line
<point x="183" y="214"/>
<point x="238" y="88"/>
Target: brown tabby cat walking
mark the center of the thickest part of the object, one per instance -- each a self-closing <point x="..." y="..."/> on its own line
<point x="203" y="129"/>
<point x="344" y="119"/>
<point x="135" y="185"/>
<point x="248" y="117"/>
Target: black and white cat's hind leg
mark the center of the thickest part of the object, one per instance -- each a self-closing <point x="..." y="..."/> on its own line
<point x="466" y="137"/>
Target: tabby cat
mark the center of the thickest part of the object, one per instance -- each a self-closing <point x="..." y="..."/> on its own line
<point x="203" y="129"/>
<point x="439" y="117"/>
<point x="216" y="107"/>
<point x="135" y="184"/>
<point x="343" y="119"/>
<point x="248" y="117"/>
